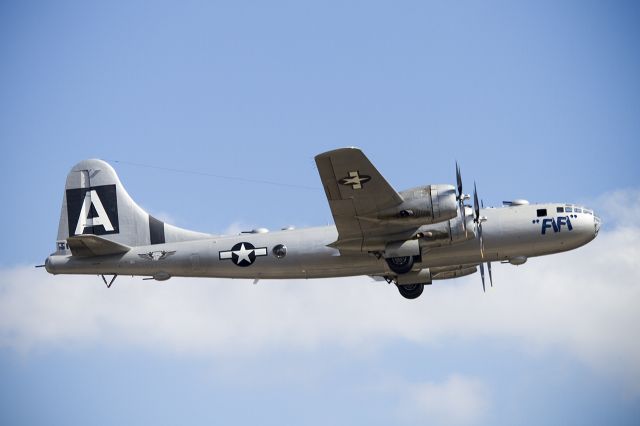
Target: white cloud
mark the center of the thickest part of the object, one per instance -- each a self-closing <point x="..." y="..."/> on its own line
<point x="458" y="400"/>
<point x="583" y="303"/>
<point x="620" y="206"/>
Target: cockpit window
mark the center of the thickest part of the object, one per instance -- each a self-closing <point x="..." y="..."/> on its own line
<point x="560" y="209"/>
<point x="568" y="209"/>
<point x="588" y="211"/>
<point x="577" y="210"/>
<point x="542" y="212"/>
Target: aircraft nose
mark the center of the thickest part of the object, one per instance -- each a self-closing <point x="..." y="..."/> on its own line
<point x="596" y="224"/>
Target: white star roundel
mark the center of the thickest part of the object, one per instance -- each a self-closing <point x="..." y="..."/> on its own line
<point x="243" y="254"/>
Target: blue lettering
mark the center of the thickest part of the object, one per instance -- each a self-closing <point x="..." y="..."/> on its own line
<point x="562" y="220"/>
<point x="556" y="224"/>
<point x="549" y="223"/>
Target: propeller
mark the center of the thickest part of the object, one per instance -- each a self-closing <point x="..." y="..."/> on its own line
<point x="461" y="197"/>
<point x="482" y="275"/>
<point x="477" y="219"/>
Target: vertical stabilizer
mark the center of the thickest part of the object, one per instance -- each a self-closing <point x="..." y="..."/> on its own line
<point x="96" y="203"/>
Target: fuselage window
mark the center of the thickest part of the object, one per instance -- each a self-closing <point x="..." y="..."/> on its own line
<point x="542" y="212"/>
<point x="560" y="209"/>
<point x="280" y="251"/>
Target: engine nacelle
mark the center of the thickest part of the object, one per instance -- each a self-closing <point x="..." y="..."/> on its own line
<point x="423" y="276"/>
<point x="446" y="233"/>
<point x="449" y="272"/>
<point x="422" y="206"/>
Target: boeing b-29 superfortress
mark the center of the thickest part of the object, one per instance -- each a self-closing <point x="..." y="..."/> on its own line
<point x="408" y="238"/>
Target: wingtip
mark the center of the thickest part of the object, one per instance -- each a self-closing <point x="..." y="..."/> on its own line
<point x="337" y="150"/>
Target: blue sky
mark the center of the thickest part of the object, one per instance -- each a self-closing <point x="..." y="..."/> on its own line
<point x="536" y="100"/>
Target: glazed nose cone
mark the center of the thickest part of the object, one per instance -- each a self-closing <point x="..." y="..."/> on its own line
<point x="596" y="224"/>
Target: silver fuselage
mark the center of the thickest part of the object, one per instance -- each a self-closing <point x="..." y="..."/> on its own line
<point x="509" y="233"/>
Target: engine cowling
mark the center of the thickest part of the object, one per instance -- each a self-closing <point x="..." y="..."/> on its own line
<point x="449" y="272"/>
<point x="423" y="205"/>
<point x="446" y="233"/>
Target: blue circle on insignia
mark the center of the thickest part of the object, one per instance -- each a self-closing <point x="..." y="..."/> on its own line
<point x="243" y="254"/>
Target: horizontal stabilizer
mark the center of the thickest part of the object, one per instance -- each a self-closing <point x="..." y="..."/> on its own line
<point x="89" y="245"/>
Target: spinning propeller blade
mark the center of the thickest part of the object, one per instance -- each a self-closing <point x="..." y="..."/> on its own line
<point x="460" y="198"/>
<point x="477" y="219"/>
<point x="458" y="180"/>
<point x="490" y="277"/>
<point x="476" y="204"/>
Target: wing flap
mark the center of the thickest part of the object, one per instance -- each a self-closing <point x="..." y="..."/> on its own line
<point x="90" y="245"/>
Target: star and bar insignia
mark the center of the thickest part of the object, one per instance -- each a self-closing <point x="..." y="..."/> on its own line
<point x="355" y="180"/>
<point x="243" y="254"/>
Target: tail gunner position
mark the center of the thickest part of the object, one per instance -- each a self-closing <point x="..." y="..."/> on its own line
<point x="408" y="238"/>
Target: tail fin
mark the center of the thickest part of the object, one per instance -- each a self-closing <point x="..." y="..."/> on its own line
<point x="96" y="203"/>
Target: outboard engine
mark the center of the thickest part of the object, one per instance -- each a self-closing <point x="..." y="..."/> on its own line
<point x="422" y="206"/>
